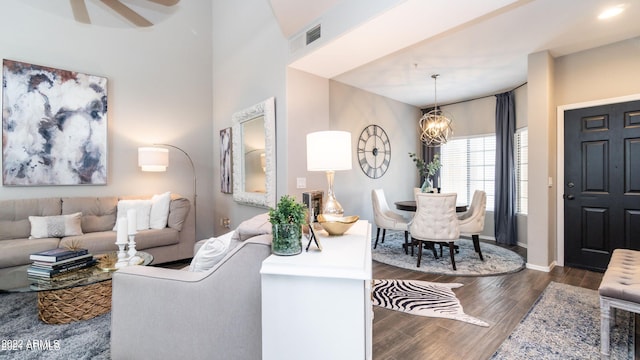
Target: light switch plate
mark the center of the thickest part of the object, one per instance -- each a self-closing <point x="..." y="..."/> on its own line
<point x="301" y="183"/>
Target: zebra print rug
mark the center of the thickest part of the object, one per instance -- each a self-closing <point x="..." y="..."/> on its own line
<point x="421" y="298"/>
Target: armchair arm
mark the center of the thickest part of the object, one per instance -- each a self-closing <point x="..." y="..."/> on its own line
<point x="472" y="224"/>
<point x="391" y="220"/>
<point x="163" y="313"/>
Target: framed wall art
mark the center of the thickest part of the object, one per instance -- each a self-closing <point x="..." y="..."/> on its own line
<point x="313" y="201"/>
<point x="226" y="185"/>
<point x="54" y="126"/>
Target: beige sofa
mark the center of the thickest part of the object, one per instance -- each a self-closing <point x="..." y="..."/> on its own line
<point x="174" y="242"/>
<point x="160" y="313"/>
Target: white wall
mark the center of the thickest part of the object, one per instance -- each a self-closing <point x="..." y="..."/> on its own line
<point x="317" y="104"/>
<point x="249" y="66"/>
<point x="159" y="88"/>
<point x="478" y="117"/>
<point x="307" y="111"/>
<point x="352" y="110"/>
<point x="600" y="73"/>
<point x="540" y="77"/>
<point x="475" y="117"/>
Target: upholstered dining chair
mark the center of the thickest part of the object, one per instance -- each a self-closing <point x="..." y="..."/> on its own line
<point x="386" y="219"/>
<point x="435" y="222"/>
<point x="472" y="221"/>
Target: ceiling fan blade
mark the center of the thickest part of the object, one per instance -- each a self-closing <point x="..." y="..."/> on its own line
<point x="80" y="12"/>
<point x="127" y="13"/>
<point x="165" y="2"/>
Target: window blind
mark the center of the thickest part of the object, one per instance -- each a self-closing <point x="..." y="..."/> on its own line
<point x="469" y="165"/>
<point x="522" y="169"/>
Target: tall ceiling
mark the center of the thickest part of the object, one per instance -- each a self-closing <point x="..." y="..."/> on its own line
<point x="479" y="48"/>
<point x="110" y="13"/>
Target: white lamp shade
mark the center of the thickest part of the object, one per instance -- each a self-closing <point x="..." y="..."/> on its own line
<point x="153" y="158"/>
<point x="329" y="151"/>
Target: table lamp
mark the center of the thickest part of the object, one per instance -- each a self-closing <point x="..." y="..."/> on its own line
<point x="329" y="151"/>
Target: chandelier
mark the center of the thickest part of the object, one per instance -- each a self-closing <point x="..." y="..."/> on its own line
<point x="435" y="126"/>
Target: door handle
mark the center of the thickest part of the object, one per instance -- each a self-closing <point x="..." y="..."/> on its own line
<point x="568" y="197"/>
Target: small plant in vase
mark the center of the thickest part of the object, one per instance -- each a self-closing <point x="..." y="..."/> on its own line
<point x="427" y="170"/>
<point x="286" y="220"/>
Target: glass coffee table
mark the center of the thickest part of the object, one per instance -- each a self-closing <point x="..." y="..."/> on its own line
<point x="78" y="295"/>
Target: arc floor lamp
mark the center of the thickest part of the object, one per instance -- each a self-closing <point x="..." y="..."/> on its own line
<point x="156" y="158"/>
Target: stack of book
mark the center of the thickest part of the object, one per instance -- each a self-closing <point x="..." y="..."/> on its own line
<point x="50" y="263"/>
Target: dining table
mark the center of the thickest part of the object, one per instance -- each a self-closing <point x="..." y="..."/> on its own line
<point x="410" y="205"/>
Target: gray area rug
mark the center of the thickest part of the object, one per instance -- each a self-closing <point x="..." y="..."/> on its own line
<point x="564" y="323"/>
<point x="20" y="324"/>
<point x="421" y="298"/>
<point x="497" y="260"/>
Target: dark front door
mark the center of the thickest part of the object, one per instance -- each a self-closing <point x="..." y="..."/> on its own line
<point x="602" y="183"/>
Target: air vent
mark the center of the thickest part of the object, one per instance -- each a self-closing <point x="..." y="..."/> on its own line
<point x="304" y="38"/>
<point x="313" y="34"/>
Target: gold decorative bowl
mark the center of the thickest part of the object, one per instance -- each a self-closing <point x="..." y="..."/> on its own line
<point x="337" y="225"/>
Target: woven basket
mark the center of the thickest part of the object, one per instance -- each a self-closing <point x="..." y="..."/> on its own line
<point x="73" y="304"/>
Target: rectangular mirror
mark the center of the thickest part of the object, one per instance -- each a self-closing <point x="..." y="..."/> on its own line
<point x="254" y="162"/>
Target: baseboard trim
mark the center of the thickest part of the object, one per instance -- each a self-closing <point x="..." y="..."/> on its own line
<point x="493" y="239"/>
<point x="482" y="237"/>
<point x="541" y="268"/>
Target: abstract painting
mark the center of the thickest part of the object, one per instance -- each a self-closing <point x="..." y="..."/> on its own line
<point x="225" y="161"/>
<point x="54" y="126"/>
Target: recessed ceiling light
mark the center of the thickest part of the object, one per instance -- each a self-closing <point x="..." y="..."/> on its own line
<point x="611" y="12"/>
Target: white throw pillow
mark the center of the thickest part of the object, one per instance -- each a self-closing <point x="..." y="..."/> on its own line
<point x="211" y="253"/>
<point x="55" y="226"/>
<point x="143" y="211"/>
<point x="159" y="210"/>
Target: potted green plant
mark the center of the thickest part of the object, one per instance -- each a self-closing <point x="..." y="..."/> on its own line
<point x="427" y="170"/>
<point x="286" y="220"/>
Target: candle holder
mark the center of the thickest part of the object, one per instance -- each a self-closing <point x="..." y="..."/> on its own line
<point x="122" y="256"/>
<point x="133" y="258"/>
<point x="121" y="242"/>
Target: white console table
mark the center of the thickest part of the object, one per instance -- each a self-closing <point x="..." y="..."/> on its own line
<point x="317" y="305"/>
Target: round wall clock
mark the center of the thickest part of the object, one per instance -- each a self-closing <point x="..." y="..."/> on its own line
<point x="374" y="151"/>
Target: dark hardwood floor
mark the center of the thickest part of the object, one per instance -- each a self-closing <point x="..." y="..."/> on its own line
<point x="502" y="301"/>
